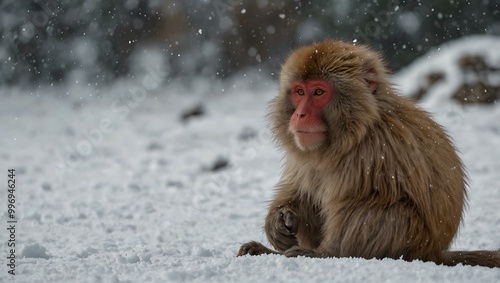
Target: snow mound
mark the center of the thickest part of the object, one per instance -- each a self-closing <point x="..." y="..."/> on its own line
<point x="440" y="72"/>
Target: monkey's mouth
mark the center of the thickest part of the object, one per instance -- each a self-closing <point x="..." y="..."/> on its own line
<point x="310" y="135"/>
<point x="309" y="139"/>
<point x="310" y="132"/>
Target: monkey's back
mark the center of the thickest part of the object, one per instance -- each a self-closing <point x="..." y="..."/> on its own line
<point x="405" y="170"/>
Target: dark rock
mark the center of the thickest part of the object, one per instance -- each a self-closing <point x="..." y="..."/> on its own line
<point x="247" y="133"/>
<point x="154" y="146"/>
<point x="219" y="164"/>
<point x="475" y="63"/>
<point x="432" y="79"/>
<point x="477" y="93"/>
<point x="197" y="111"/>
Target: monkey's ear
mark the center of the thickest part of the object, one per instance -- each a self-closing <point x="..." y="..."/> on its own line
<point x="371" y="78"/>
<point x="374" y="71"/>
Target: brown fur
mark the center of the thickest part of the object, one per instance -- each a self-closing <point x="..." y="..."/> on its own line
<point x="386" y="183"/>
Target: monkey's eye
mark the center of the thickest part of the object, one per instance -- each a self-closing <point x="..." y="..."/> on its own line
<point x="300" y="92"/>
<point x="319" y="92"/>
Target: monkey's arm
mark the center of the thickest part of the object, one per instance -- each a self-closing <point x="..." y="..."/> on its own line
<point x="281" y="227"/>
<point x="282" y="221"/>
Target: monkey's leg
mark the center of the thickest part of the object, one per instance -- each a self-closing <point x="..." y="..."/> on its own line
<point x="372" y="232"/>
<point x="394" y="232"/>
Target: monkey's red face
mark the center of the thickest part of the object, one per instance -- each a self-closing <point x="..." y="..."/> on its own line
<point x="306" y="123"/>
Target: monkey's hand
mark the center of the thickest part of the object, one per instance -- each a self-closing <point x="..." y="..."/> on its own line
<point x="281" y="228"/>
<point x="254" y="248"/>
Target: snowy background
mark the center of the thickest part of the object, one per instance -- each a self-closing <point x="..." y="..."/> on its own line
<point x="131" y="185"/>
<point x="138" y="131"/>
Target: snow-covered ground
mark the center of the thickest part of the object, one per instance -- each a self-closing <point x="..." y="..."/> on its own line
<point x="112" y="186"/>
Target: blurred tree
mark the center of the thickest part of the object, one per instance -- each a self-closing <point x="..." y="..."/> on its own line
<point x="55" y="40"/>
<point x="49" y="41"/>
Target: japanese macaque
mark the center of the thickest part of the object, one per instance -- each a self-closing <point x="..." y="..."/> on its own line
<point x="366" y="173"/>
